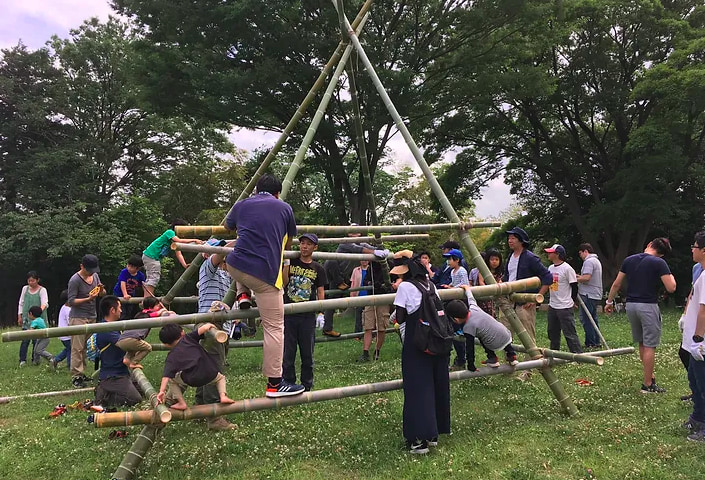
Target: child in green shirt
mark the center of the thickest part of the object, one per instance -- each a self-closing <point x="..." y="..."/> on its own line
<point x="36" y="322"/>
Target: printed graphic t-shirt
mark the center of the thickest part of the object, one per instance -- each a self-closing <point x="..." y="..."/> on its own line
<point x="304" y="280"/>
<point x="563" y="276"/>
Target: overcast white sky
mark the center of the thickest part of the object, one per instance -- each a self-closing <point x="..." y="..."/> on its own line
<point x="34" y="21"/>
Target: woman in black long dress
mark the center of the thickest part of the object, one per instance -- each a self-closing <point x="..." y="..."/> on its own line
<point x="426" y="385"/>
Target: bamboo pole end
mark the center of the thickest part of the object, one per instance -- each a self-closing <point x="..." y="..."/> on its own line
<point x="165" y="416"/>
<point x="221" y="336"/>
<point x="600" y="361"/>
<point x="539" y="298"/>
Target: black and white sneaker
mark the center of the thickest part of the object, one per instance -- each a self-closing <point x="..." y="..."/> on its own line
<point x="653" y="388"/>
<point x="283" y="389"/>
<point x="419" y="447"/>
<point x="433" y="442"/>
<point x="77" y="382"/>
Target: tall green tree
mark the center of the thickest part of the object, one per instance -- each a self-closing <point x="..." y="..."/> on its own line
<point x="595" y="107"/>
<point x="251" y="63"/>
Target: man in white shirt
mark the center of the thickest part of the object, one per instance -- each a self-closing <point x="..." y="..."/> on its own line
<point x="693" y="342"/>
<point x="563" y="291"/>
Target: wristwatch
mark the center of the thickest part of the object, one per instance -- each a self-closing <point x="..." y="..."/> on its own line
<point x="698" y="338"/>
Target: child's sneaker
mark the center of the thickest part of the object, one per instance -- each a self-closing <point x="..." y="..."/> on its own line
<point x="492" y="362"/>
<point x="22" y="364"/>
<point x="243" y="301"/>
<point x="283" y="389"/>
<point x="512" y="360"/>
<point x="419" y="447"/>
<point x="59" y="410"/>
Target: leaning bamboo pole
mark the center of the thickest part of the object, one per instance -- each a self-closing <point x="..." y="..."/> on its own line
<point x="150" y="393"/>
<point x="317" y="117"/>
<point x="592" y="321"/>
<point x="269" y="158"/>
<point x="142" y="417"/>
<point x="409" y="237"/>
<point x="58" y="393"/>
<point x="566" y="403"/>
<point x="220" y="231"/>
<point x="134" y="456"/>
<point x="289" y="309"/>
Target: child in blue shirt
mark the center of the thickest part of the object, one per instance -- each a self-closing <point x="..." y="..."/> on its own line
<point x="37" y="323"/>
<point x="130" y="279"/>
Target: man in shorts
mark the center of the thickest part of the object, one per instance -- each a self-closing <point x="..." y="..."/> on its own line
<point x="645" y="272"/>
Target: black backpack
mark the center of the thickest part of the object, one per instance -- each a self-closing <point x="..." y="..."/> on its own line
<point x="433" y="334"/>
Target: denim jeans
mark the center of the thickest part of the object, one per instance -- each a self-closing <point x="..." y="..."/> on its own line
<point x="24" y="346"/>
<point x="592" y="339"/>
<point x="696" y="378"/>
<point x="65" y="353"/>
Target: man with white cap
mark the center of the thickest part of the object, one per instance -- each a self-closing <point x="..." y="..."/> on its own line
<point x="564" y="293"/>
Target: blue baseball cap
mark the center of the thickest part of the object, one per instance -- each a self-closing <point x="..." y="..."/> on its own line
<point x="454" y="252"/>
<point x="310" y="236"/>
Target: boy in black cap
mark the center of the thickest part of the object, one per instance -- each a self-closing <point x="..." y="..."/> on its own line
<point x="83" y="289"/>
<point x="304" y="280"/>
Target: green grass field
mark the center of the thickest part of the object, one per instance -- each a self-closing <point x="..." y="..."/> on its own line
<point x="502" y="428"/>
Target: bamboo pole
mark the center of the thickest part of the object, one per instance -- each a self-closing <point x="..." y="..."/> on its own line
<point x="57" y="393"/>
<point x="160" y="347"/>
<point x="220" y="231"/>
<point x="385" y="238"/>
<point x="566" y="403"/>
<point x="603" y="342"/>
<point x="574" y="357"/>
<point x="179" y="300"/>
<point x="141" y="417"/>
<point x="484" y="291"/>
<point x="149" y="392"/>
<point x="317" y="117"/>
<point x="134" y="456"/>
<point x="355" y="257"/>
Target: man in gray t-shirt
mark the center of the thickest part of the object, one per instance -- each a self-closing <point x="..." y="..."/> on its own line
<point x="590" y="291"/>
<point x="83" y="290"/>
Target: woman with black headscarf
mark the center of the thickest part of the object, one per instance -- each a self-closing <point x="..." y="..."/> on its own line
<point x="426" y="385"/>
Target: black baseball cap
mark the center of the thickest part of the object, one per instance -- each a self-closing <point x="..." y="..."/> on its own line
<point x="450" y="244"/>
<point x="90" y="263"/>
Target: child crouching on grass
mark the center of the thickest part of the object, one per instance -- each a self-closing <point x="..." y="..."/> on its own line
<point x="188" y="364"/>
<point x="476" y="323"/>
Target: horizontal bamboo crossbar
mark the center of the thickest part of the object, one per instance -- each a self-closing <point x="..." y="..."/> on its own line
<point x="143" y="417"/>
<point x="484" y="291"/>
<point x="57" y="393"/>
<point x="355" y="257"/>
<point x="410" y="237"/>
<point x="220" y="231"/>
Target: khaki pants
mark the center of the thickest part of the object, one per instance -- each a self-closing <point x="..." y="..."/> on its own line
<point x="176" y="387"/>
<point x="135" y="349"/>
<point x="270" y="302"/>
<point x="78" y="346"/>
<point x="527" y="316"/>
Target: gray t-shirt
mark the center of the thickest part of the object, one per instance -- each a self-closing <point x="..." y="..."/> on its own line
<point x="77" y="289"/>
<point x="493" y="334"/>
<point x="593" y="288"/>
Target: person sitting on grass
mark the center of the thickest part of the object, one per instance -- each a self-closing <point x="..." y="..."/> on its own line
<point x="36" y="322"/>
<point x="188" y="364"/>
<point x="133" y="341"/>
<point x="116" y="388"/>
<point x="476" y="323"/>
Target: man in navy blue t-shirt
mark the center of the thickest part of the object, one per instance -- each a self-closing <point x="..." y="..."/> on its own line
<point x="265" y="228"/>
<point x="645" y="272"/>
<point x="115" y="388"/>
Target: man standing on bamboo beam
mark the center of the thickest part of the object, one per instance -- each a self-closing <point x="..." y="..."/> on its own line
<point x="265" y="228"/>
<point x="523" y="263"/>
<point x="645" y="273"/>
<point x="339" y="272"/>
<point x="213" y="283"/>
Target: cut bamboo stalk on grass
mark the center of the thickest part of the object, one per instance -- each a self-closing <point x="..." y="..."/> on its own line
<point x="484" y="291"/>
<point x="143" y="417"/>
<point x="57" y="393"/>
<point x="220" y="231"/>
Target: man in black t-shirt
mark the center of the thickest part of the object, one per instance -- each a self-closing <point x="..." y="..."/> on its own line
<point x="646" y="272"/>
<point x="304" y="280"/>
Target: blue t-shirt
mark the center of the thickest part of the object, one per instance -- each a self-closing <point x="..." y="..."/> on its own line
<point x="644" y="274"/>
<point x="264" y="225"/>
<point x="363" y="274"/>
<point x="131" y="282"/>
<point x="111" y="358"/>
